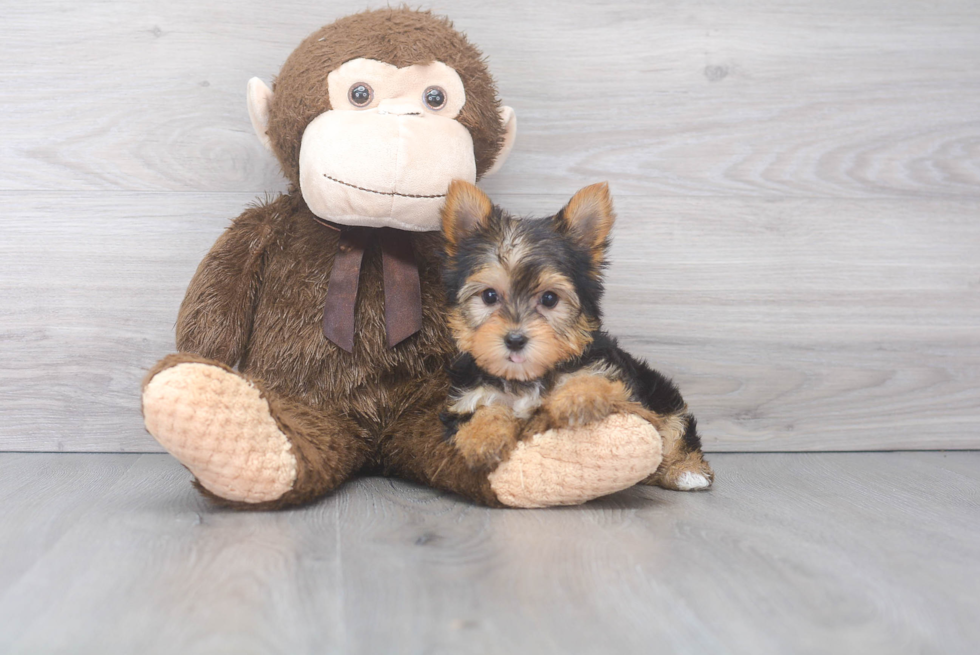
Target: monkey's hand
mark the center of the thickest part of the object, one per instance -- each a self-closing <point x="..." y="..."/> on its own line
<point x="584" y="398"/>
<point x="488" y="436"/>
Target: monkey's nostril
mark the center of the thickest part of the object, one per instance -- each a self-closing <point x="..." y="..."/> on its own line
<point x="515" y="341"/>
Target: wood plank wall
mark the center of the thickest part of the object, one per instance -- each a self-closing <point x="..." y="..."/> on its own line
<point x="798" y="189"/>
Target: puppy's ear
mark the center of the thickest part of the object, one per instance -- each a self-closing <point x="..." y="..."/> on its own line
<point x="588" y="217"/>
<point x="466" y="209"/>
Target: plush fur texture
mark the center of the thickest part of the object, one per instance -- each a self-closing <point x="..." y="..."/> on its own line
<point x="395" y="36"/>
<point x="366" y="407"/>
<point x="545" y="469"/>
<point x="228" y="437"/>
<point x="488" y="251"/>
<point x="525" y="298"/>
<point x="255" y="305"/>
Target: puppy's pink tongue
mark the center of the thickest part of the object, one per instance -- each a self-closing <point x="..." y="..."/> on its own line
<point x="516" y="358"/>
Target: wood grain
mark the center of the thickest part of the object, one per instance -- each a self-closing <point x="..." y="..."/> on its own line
<point x="790" y="325"/>
<point x="241" y="587"/>
<point x="762" y="98"/>
<point x="797" y="185"/>
<point x="802" y="553"/>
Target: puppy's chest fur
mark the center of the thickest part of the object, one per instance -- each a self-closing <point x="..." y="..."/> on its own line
<point x="474" y="388"/>
<point x="523" y="398"/>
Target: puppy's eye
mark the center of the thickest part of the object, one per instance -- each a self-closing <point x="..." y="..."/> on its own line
<point x="435" y="97"/>
<point x="549" y="299"/>
<point x="360" y="94"/>
<point x="490" y="297"/>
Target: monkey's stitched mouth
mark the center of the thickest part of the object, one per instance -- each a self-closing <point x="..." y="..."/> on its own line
<point x="382" y="193"/>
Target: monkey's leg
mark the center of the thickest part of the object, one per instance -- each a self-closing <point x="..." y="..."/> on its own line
<point x="683" y="467"/>
<point x="554" y="467"/>
<point x="246" y="447"/>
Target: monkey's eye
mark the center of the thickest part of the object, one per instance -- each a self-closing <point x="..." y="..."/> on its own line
<point x="360" y="94"/>
<point x="549" y="299"/>
<point x="490" y="296"/>
<point x="435" y="97"/>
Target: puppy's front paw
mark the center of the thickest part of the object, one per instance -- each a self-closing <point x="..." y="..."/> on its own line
<point x="487" y="437"/>
<point x="584" y="399"/>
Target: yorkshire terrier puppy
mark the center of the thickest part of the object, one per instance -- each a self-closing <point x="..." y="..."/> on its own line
<point x="524" y="297"/>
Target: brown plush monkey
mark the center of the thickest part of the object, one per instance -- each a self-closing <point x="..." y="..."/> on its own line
<point x="313" y="340"/>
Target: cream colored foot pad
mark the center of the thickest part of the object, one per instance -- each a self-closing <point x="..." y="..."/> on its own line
<point x="572" y="466"/>
<point x="217" y="425"/>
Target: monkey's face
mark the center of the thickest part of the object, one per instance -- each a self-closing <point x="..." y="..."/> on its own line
<point x="385" y="153"/>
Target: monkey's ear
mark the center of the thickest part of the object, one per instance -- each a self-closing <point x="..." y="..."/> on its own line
<point x="259" y="100"/>
<point x="466" y="209"/>
<point x="509" y="120"/>
<point x="589" y="217"/>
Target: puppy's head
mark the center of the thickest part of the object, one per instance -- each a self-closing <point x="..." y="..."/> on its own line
<point x="524" y="292"/>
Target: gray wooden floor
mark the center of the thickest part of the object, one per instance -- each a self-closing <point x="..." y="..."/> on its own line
<point x="790" y="553"/>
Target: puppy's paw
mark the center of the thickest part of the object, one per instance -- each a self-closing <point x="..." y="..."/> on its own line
<point x="584" y="399"/>
<point x="487" y="437"/>
<point x="690" y="481"/>
<point x="688" y="473"/>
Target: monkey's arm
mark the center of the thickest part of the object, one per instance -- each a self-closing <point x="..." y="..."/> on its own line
<point x="215" y="318"/>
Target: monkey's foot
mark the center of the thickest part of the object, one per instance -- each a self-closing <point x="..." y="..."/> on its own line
<point x="220" y="427"/>
<point x="574" y="465"/>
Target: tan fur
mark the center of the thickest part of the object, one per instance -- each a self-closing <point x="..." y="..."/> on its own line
<point x="584" y="398"/>
<point x="677" y="460"/>
<point x="555" y="281"/>
<point x="488" y="437"/>
<point x="556" y="335"/>
<point x="465" y="208"/>
<point x="253" y="310"/>
<point x="590" y="216"/>
<point x="487" y="345"/>
<point x="549" y="347"/>
<point x="512" y="250"/>
<point x="491" y="276"/>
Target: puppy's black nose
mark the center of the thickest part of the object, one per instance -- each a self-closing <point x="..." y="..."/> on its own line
<point x="515" y="341"/>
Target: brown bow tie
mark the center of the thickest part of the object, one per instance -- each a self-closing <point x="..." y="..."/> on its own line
<point x="403" y="294"/>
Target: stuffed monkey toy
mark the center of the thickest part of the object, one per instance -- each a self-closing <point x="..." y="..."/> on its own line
<point x="312" y="340"/>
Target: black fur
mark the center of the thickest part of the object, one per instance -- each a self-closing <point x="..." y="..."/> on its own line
<point x="652" y="389"/>
<point x="552" y="249"/>
<point x="555" y="249"/>
<point x="649" y="387"/>
<point x="451" y="422"/>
